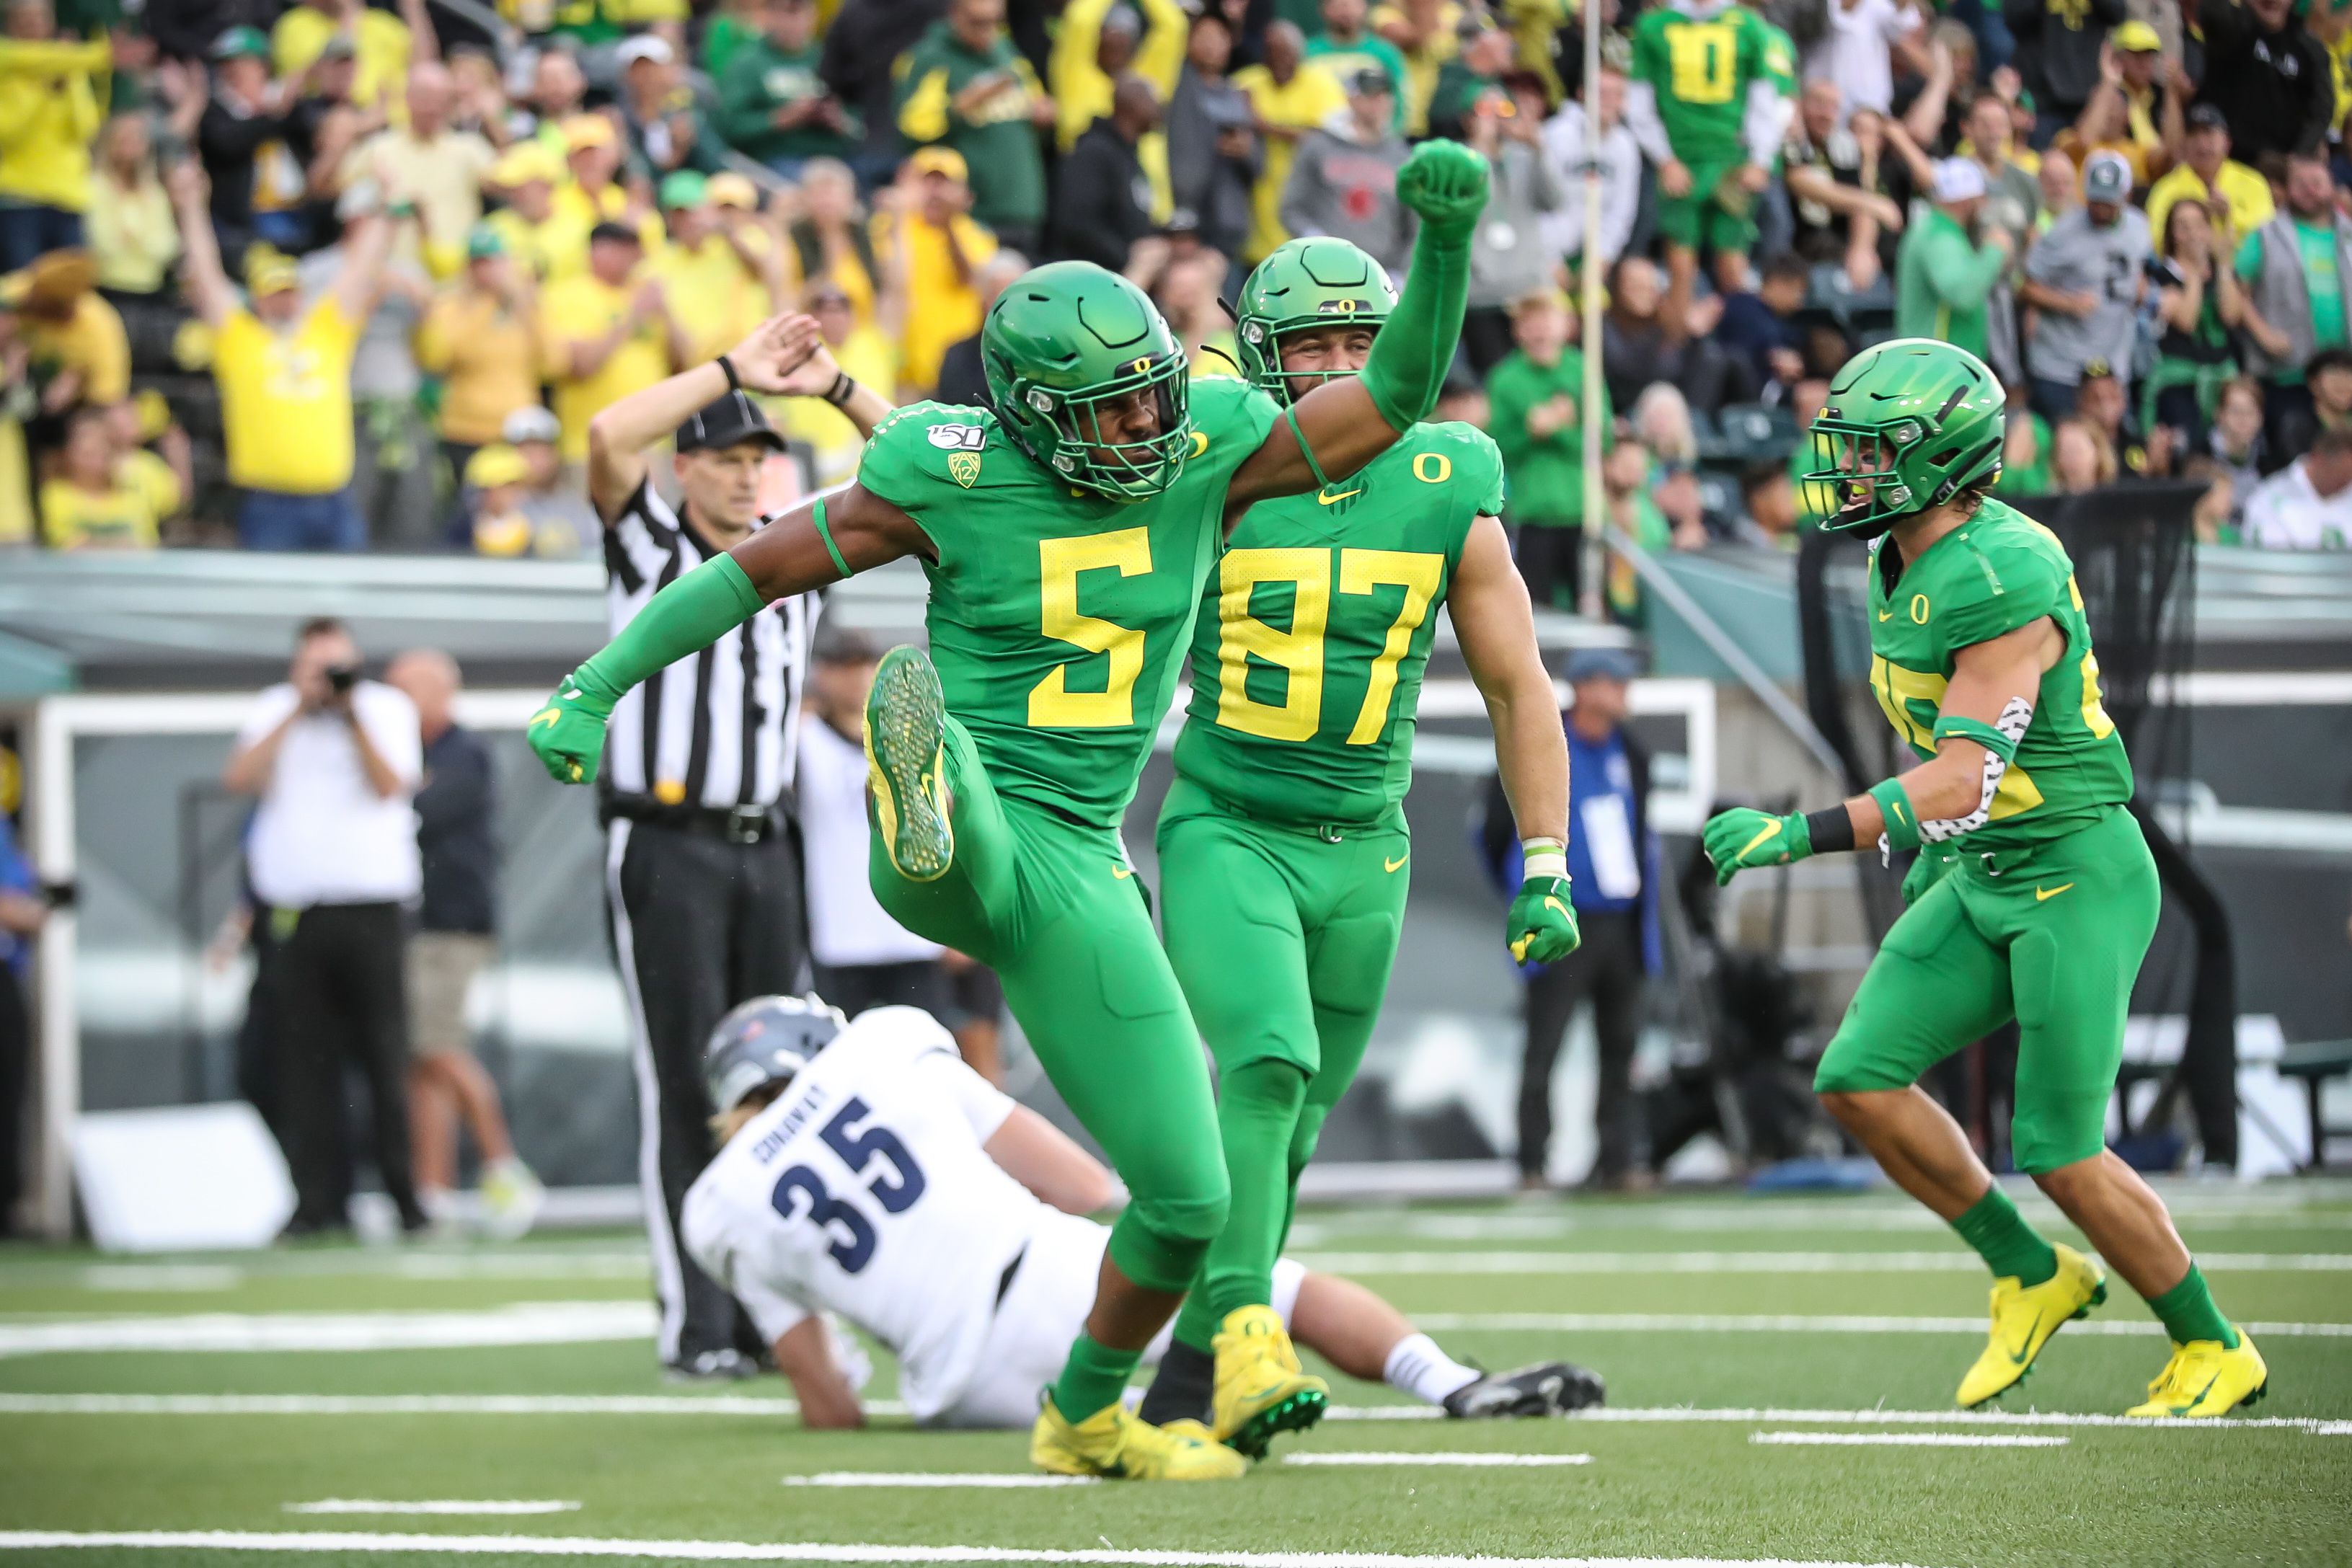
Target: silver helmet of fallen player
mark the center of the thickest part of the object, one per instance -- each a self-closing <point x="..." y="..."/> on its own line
<point x="765" y="1040"/>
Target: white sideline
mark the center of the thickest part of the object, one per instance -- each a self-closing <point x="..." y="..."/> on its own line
<point x="1735" y="1323"/>
<point x="813" y="1550"/>
<point x="1951" y="1260"/>
<point x="996" y="1480"/>
<point x="1468" y="1461"/>
<point x="434" y="1506"/>
<point x="742" y="1405"/>
<point x="1908" y="1440"/>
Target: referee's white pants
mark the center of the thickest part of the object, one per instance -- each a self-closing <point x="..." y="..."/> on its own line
<point x="1042" y="1314"/>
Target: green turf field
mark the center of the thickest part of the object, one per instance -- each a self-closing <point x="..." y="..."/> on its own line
<point x="1780" y="1376"/>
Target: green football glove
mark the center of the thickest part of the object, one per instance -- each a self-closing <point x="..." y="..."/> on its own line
<point x="1446" y="184"/>
<point x="1744" y="837"/>
<point x="1541" y="926"/>
<point x="568" y="734"/>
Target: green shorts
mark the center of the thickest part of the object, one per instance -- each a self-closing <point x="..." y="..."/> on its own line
<point x="1282" y="936"/>
<point x="1053" y="906"/>
<point x="2051" y="935"/>
<point x="1712" y="217"/>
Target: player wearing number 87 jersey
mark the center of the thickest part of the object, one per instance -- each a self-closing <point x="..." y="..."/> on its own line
<point x="1065" y="532"/>
<point x="2033" y="897"/>
<point x="1283" y="850"/>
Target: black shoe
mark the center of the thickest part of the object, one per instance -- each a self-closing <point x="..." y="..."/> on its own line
<point x="1546" y="1388"/>
<point x="301" y="1229"/>
<point x="711" y="1366"/>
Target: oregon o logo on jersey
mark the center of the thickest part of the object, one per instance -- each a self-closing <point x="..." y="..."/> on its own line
<point x="1431" y="467"/>
<point x="1919" y="610"/>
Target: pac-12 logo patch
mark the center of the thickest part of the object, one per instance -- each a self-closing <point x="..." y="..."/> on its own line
<point x="958" y="438"/>
<point x="963" y="467"/>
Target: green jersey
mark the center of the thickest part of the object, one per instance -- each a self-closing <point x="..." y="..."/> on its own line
<point x="1056" y="614"/>
<point x="1700" y="67"/>
<point x="1314" y="630"/>
<point x="1995" y="573"/>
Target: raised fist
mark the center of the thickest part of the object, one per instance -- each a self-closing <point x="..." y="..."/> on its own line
<point x="1446" y="184"/>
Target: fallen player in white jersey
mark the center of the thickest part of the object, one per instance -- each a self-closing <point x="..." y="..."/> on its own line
<point x="865" y="1171"/>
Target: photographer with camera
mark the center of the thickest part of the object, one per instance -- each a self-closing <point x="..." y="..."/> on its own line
<point x="334" y="760"/>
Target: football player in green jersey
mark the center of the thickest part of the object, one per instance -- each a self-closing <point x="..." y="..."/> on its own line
<point x="2034" y="897"/>
<point x="1701" y="98"/>
<point x="1065" y="532"/>
<point x="1284" y="857"/>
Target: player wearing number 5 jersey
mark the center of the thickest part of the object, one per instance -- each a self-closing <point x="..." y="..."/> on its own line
<point x="1066" y="533"/>
<point x="1283" y="850"/>
<point x="865" y="1171"/>
<point x="2034" y="897"/>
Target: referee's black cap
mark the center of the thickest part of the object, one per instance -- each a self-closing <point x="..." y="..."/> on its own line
<point x="730" y="422"/>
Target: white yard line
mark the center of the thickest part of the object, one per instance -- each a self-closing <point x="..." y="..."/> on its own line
<point x="809" y="1551"/>
<point x="1954" y="1259"/>
<point x="776" y="1409"/>
<point x="434" y="1506"/>
<point x="1907" y="1440"/>
<point x="1733" y="1323"/>
<point x="995" y="1481"/>
<point x="528" y="1323"/>
<point x="1466" y="1462"/>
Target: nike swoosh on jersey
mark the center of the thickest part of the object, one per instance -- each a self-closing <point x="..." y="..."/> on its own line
<point x="1388" y="864"/>
<point x="1120" y="874"/>
<point x="1322" y="499"/>
<point x="2043" y="894"/>
<point x="1886" y="615"/>
<point x="1770" y="829"/>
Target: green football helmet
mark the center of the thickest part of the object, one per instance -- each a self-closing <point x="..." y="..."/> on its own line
<point x="1306" y="283"/>
<point x="1908" y="424"/>
<point x="1061" y="342"/>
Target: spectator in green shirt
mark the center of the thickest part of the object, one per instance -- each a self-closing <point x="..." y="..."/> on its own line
<point x="774" y="106"/>
<point x="1537" y="418"/>
<point x="1348" y="45"/>
<point x="1943" y="277"/>
<point x="965" y="86"/>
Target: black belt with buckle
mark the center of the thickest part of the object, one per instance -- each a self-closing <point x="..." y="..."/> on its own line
<point x="736" y="824"/>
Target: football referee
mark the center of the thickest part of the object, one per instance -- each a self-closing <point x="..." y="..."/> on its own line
<point x="702" y="869"/>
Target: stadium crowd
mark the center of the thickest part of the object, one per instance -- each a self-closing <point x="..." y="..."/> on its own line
<point x="329" y="275"/>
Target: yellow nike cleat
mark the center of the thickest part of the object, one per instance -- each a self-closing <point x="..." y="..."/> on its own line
<point x="1261" y="1390"/>
<point x="2023" y="1319"/>
<point x="906" y="765"/>
<point x="2206" y="1378"/>
<point x="1115" y="1442"/>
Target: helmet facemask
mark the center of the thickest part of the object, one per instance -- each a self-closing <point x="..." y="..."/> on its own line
<point x="1131" y="470"/>
<point x="1859" y="464"/>
<point x="1288" y="386"/>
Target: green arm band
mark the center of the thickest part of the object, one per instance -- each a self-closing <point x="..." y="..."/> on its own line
<point x="1415" y="347"/>
<point x="1902" y="821"/>
<point x="1984" y="734"/>
<point x="684" y="617"/>
<point x="824" y="532"/>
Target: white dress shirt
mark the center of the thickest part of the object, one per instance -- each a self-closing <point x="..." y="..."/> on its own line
<point x="322" y="834"/>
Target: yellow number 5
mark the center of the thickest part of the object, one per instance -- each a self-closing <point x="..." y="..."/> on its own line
<point x="1051" y="705"/>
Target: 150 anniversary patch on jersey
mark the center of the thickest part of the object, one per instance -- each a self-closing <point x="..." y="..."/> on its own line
<point x="958" y="437"/>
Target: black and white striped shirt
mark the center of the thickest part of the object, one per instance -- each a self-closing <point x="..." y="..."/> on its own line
<point x="718" y="728"/>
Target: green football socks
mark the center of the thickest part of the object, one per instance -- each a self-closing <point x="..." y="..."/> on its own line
<point x="2006" y="1244"/>
<point x="1258" y="1109"/>
<point x="2189" y="1314"/>
<point x="1093" y="1379"/>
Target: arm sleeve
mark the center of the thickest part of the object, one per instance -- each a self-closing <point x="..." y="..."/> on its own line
<point x="1963" y="274"/>
<point x="684" y="617"/>
<point x="1761" y="125"/>
<point x="1411" y="355"/>
<point x="1641" y="120"/>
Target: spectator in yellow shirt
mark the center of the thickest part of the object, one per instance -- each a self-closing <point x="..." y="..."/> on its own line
<point x="2207" y="173"/>
<point x="606" y="334"/>
<point x="50" y="107"/>
<point x="1290" y="96"/>
<point x="133" y="237"/>
<point x="285" y="375"/>
<point x="1096" y="43"/>
<point x="935" y="250"/>
<point x="77" y="350"/>
<point x="440" y="168"/>
<point x="593" y="153"/>
<point x="481" y="338"/>
<point x="551" y="242"/>
<point x="383" y="43"/>
<point x="717" y="274"/>
<point x="1428" y="34"/>
<point x="99" y="498"/>
<point x="865" y="355"/>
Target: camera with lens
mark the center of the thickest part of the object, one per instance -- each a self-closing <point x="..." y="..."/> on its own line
<point x="342" y="678"/>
